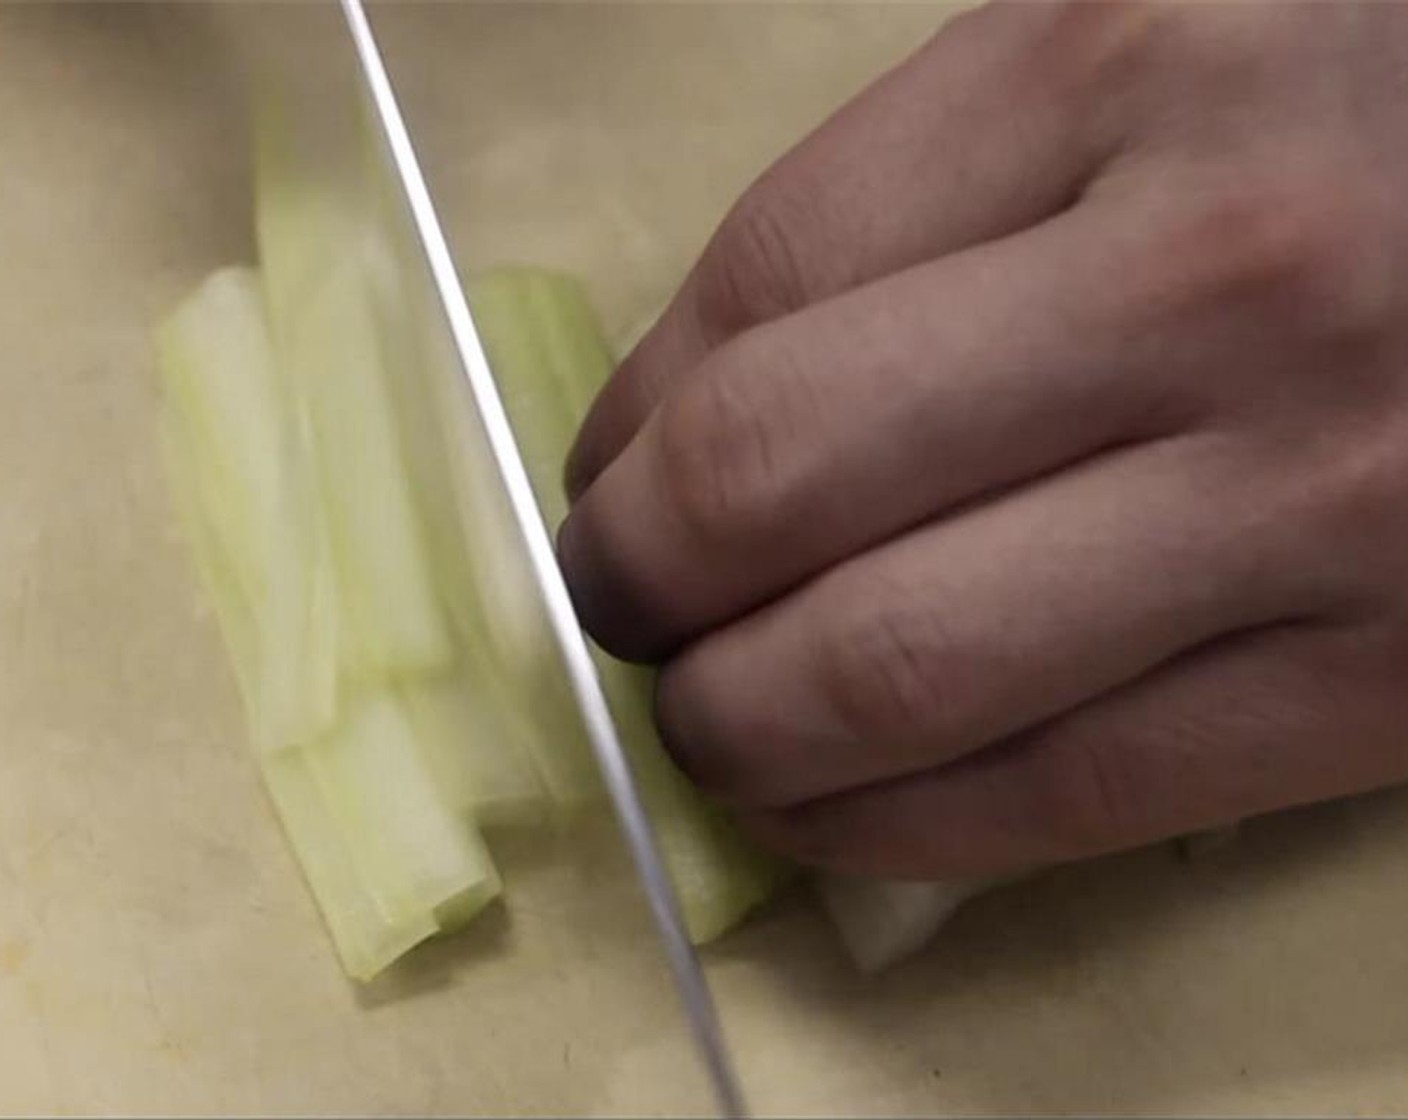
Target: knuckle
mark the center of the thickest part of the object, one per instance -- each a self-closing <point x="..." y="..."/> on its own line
<point x="722" y="459"/>
<point x="1084" y="46"/>
<point x="685" y="712"/>
<point x="754" y="270"/>
<point x="1289" y="248"/>
<point x="1353" y="493"/>
<point x="890" y="667"/>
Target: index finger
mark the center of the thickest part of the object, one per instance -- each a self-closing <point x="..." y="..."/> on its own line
<point x="991" y="127"/>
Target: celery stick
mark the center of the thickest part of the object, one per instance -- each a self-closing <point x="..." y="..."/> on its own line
<point x="388" y="856"/>
<point x="367" y="941"/>
<point x="480" y="564"/>
<point x="312" y="225"/>
<point x="719" y="876"/>
<point x="249" y="505"/>
<point x="233" y="612"/>
<point x="411" y="850"/>
<point x="470" y="744"/>
<point x="881" y="922"/>
<point x="550" y="357"/>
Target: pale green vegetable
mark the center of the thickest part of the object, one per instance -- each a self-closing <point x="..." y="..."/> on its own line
<point x="395" y="659"/>
<point x="882" y="921"/>
<point x="242" y="472"/>
<point x="413" y="851"/>
<point x="550" y="357"/>
<point x="316" y="248"/>
<point x="355" y="767"/>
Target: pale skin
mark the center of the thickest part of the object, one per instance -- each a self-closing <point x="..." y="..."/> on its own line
<point x="1022" y="472"/>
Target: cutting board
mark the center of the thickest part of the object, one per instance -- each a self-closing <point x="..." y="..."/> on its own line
<point x="158" y="952"/>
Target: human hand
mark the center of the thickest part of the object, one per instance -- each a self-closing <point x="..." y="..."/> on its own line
<point x="1022" y="472"/>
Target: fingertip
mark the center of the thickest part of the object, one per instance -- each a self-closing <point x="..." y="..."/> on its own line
<point x="608" y="608"/>
<point x="579" y="471"/>
<point x="694" y="728"/>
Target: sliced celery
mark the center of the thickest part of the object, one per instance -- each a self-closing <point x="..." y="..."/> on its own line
<point x="233" y="610"/>
<point x="236" y="453"/>
<point x="314" y="243"/>
<point x="719" y="876"/>
<point x="390" y="852"/>
<point x="471" y="745"/>
<point x="550" y="357"/>
<point x="882" y="921"/>
<point x="480" y="562"/>
<point x="412" y="850"/>
<point x="367" y="941"/>
<point x="394" y="656"/>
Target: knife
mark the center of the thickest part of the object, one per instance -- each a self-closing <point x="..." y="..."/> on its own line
<point x="684" y="965"/>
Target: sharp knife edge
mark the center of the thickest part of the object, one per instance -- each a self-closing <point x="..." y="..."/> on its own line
<point x="684" y="964"/>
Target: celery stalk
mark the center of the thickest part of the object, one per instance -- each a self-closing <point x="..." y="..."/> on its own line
<point x="882" y="921"/>
<point x="390" y="855"/>
<point x="550" y="357"/>
<point x="237" y="457"/>
<point x="395" y="660"/>
<point x="312" y="229"/>
<point x="412" y="851"/>
<point x="472" y="747"/>
<point x="366" y="939"/>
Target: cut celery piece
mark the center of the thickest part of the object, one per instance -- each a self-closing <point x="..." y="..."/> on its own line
<point x="248" y="506"/>
<point x="470" y="744"/>
<point x="480" y="563"/>
<point x="367" y="941"/>
<point x="883" y="921"/>
<point x="388" y="856"/>
<point x="412" y="851"/>
<point x="550" y="358"/>
<point x="184" y="469"/>
<point x="315" y="242"/>
<point x="718" y="875"/>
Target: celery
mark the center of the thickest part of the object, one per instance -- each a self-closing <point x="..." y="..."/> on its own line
<point x="550" y="358"/>
<point x="389" y="853"/>
<point x="882" y="921"/>
<point x="413" y="852"/>
<point x="453" y="721"/>
<point x="313" y="244"/>
<point x="244" y="477"/>
<point x="395" y="660"/>
<point x="366" y="939"/>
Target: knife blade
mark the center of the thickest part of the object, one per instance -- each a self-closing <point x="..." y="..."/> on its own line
<point x="690" y="983"/>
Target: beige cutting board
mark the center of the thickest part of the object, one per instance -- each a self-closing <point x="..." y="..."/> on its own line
<point x="157" y="950"/>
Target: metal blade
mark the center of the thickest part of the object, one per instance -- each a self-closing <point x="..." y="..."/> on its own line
<point x="576" y="655"/>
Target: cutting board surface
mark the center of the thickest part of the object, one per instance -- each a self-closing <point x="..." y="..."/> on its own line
<point x="158" y="952"/>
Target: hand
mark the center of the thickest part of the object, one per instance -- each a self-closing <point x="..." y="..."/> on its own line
<point x="1022" y="472"/>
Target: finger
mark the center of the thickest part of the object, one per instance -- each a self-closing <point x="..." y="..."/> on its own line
<point x="1265" y="721"/>
<point x="811" y="438"/>
<point x="967" y="631"/>
<point x="991" y="127"/>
